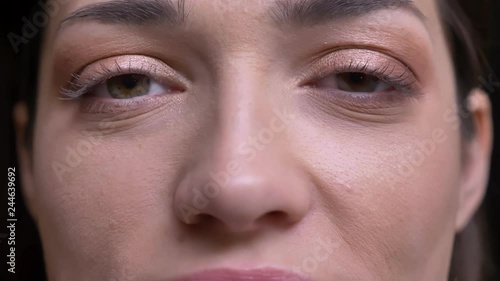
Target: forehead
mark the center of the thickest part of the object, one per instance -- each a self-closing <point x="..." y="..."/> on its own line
<point x="241" y="10"/>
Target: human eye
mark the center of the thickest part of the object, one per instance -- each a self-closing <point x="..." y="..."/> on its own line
<point x="363" y="76"/>
<point x="355" y="82"/>
<point x="124" y="78"/>
<point x="129" y="86"/>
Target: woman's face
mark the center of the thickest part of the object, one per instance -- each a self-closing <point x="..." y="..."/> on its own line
<point x="250" y="139"/>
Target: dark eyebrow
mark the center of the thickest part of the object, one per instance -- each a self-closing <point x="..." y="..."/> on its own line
<point x="291" y="12"/>
<point x="312" y="12"/>
<point x="131" y="12"/>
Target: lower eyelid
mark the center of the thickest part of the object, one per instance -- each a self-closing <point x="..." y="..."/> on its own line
<point x="127" y="108"/>
<point x="386" y="106"/>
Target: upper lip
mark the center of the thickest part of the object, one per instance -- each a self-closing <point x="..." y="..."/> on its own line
<point x="243" y="275"/>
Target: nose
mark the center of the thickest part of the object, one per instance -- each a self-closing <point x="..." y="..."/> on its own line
<point x="244" y="198"/>
<point x="243" y="176"/>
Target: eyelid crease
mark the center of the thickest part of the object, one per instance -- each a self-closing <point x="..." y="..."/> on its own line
<point x="384" y="67"/>
<point x="81" y="82"/>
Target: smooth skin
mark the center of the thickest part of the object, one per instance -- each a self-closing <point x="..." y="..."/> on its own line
<point x="247" y="151"/>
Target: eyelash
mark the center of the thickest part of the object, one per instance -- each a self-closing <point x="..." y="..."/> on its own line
<point x="79" y="85"/>
<point x="404" y="82"/>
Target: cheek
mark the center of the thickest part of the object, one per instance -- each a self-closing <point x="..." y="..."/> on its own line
<point x="390" y="194"/>
<point x="104" y="196"/>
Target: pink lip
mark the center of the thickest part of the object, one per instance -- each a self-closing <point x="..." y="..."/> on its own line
<point x="243" y="275"/>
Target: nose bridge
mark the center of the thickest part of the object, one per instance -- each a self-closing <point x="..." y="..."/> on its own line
<point x="244" y="173"/>
<point x="248" y="135"/>
<point x="247" y="122"/>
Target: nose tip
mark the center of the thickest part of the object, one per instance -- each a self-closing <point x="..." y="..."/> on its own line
<point x="245" y="202"/>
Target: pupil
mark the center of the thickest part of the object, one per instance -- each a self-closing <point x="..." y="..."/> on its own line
<point x="357" y="82"/>
<point x="358" y="78"/>
<point x="130" y="81"/>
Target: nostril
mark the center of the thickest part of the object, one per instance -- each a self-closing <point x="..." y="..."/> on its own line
<point x="276" y="214"/>
<point x="275" y="218"/>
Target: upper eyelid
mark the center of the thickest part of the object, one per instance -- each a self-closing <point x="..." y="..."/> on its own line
<point x="80" y="84"/>
<point x="388" y="70"/>
<point x="98" y="72"/>
<point x="345" y="59"/>
<point x="357" y="55"/>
